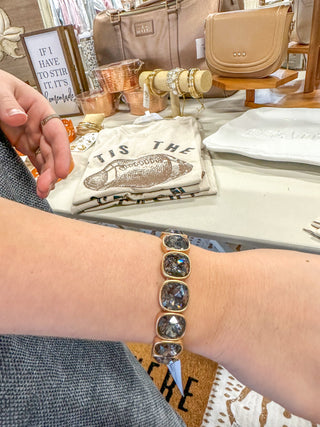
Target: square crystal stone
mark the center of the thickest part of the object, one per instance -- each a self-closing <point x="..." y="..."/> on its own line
<point x="174" y="295"/>
<point x="176" y="265"/>
<point x="176" y="242"/>
<point x="165" y="352"/>
<point x="171" y="326"/>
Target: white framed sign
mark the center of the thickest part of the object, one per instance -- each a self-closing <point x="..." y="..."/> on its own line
<point x="57" y="67"/>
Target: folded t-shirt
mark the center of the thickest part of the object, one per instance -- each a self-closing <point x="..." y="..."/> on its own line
<point x="206" y="187"/>
<point x="139" y="159"/>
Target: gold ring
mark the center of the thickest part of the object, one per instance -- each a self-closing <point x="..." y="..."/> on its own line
<point x="46" y="119"/>
<point x="38" y="151"/>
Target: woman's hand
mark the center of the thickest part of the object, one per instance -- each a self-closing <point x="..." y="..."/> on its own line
<point x="22" y="109"/>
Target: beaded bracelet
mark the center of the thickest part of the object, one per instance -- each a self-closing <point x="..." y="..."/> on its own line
<point x="173" y="81"/>
<point x="192" y="87"/>
<point x="173" y="299"/>
<point x="191" y="83"/>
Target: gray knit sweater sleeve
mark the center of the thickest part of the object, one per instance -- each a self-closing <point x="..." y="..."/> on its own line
<point x="47" y="381"/>
<point x="16" y="182"/>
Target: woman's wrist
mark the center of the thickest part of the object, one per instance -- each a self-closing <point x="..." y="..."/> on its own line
<point x="207" y="313"/>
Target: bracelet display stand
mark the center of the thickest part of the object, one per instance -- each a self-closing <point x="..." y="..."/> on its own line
<point x="278" y="78"/>
<point x="202" y="83"/>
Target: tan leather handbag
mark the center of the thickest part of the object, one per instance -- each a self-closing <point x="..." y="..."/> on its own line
<point x="248" y="43"/>
<point x="163" y="34"/>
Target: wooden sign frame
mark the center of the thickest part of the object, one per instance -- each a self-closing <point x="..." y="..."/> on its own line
<point x="56" y="65"/>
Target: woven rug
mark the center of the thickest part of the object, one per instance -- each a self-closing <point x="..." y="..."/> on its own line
<point x="198" y="374"/>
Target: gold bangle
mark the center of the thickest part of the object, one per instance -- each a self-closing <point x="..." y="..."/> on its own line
<point x="88" y="127"/>
<point x="191" y="83"/>
<point x="150" y="83"/>
<point x="173" y="299"/>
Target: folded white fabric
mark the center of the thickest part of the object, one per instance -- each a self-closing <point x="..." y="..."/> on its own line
<point x="277" y="134"/>
<point x="144" y="162"/>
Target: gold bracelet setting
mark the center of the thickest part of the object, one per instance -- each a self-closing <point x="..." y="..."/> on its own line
<point x="173" y="300"/>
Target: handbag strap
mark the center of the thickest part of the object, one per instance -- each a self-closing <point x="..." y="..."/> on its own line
<point x="172" y="15"/>
<point x="115" y="19"/>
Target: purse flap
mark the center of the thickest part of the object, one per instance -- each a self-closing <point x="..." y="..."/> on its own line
<point x="245" y="38"/>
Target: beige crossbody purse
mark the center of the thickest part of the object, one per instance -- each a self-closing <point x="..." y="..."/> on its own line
<point x="248" y="43"/>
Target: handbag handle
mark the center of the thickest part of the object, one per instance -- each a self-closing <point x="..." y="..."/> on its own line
<point x="149" y="3"/>
<point x="170" y="5"/>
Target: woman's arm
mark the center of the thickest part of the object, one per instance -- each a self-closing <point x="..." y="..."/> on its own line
<point x="71" y="278"/>
<point x="255" y="312"/>
<point x="274" y="326"/>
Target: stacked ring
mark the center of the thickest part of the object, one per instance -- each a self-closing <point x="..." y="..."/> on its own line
<point x="50" y="117"/>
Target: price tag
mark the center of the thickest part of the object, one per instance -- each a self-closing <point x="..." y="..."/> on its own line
<point x="200" y="48"/>
<point x="146" y="96"/>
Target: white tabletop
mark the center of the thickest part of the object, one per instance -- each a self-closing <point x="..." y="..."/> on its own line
<point x="260" y="203"/>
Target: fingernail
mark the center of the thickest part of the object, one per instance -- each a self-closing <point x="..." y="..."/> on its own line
<point x="16" y="112"/>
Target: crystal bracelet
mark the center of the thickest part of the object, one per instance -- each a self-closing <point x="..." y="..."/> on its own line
<point x="173" y="81"/>
<point x="173" y="299"/>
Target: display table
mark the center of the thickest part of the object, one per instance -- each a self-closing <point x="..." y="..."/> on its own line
<point x="259" y="203"/>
